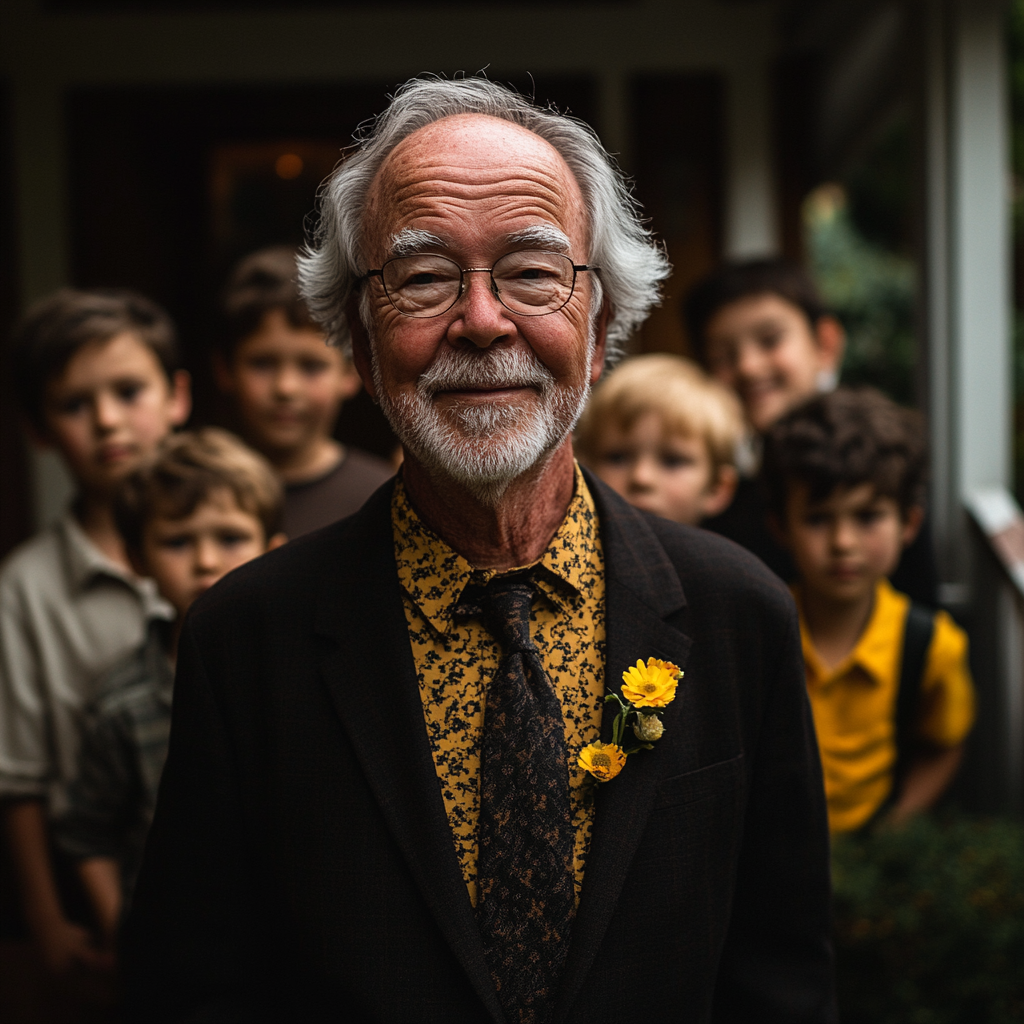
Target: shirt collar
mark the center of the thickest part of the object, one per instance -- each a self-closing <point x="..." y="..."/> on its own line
<point x="434" y="575"/>
<point x="85" y="562"/>
<point x="876" y="649"/>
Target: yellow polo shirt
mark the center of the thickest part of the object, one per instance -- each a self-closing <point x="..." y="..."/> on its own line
<point x="854" y="705"/>
<point x="456" y="659"/>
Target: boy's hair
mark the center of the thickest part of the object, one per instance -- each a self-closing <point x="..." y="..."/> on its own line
<point x="688" y="402"/>
<point x="55" y="328"/>
<point x="849" y="437"/>
<point x="739" y="280"/>
<point x="265" y="280"/>
<point x="187" y="469"/>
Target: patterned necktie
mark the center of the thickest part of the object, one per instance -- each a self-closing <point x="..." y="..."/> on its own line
<point x="526" y="890"/>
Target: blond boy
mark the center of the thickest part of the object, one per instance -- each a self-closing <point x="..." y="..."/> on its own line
<point x="205" y="506"/>
<point x="663" y="435"/>
<point x="99" y="379"/>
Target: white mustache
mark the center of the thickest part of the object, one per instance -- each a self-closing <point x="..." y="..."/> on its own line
<point x="457" y="370"/>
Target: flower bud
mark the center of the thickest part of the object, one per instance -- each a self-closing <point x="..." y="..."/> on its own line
<point x="648" y="728"/>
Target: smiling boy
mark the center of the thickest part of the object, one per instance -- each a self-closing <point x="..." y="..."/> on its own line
<point x="889" y="684"/>
<point x="98" y="376"/>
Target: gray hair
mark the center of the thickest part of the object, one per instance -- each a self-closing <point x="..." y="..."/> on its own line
<point x="632" y="263"/>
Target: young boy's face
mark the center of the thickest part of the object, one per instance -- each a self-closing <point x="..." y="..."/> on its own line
<point x="110" y="407"/>
<point x="288" y="385"/>
<point x="769" y="353"/>
<point x="662" y="472"/>
<point x="187" y="556"/>
<point x="845" y="543"/>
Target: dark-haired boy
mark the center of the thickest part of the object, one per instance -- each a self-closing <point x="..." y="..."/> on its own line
<point x="99" y="379"/>
<point x="206" y="505"/>
<point x="288" y="387"/>
<point x="890" y="687"/>
<point x="762" y="328"/>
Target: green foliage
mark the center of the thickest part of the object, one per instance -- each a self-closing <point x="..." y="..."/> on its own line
<point x="930" y="923"/>
<point x="872" y="291"/>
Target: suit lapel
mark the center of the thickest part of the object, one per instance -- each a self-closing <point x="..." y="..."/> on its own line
<point x="361" y="614"/>
<point x="642" y="590"/>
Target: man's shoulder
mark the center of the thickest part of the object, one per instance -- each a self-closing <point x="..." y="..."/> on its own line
<point x="294" y="575"/>
<point x="705" y="563"/>
<point x="709" y="557"/>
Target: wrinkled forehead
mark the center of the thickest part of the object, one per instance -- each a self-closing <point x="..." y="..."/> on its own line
<point x="472" y="162"/>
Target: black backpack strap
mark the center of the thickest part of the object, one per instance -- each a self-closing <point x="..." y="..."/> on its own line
<point x="917" y="638"/>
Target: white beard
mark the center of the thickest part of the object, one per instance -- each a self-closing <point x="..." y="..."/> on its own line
<point x="484" y="447"/>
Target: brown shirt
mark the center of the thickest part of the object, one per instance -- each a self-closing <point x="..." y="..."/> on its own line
<point x="338" y="493"/>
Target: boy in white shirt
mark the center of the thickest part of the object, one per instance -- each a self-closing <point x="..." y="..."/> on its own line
<point x="99" y="379"/>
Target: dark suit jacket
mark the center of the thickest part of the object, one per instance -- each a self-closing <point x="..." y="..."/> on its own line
<point x="301" y="867"/>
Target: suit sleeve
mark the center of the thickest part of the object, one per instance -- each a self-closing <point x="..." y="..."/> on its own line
<point x="191" y="944"/>
<point x="777" y="964"/>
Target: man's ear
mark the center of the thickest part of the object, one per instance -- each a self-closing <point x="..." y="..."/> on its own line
<point x="600" y="341"/>
<point x="181" y="397"/>
<point x="912" y="520"/>
<point x="720" y="492"/>
<point x="830" y="337"/>
<point x="361" y="357"/>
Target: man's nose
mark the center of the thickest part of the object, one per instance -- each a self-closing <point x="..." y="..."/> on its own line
<point x="480" y="318"/>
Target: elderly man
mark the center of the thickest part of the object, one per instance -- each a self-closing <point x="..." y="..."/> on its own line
<point x="374" y="806"/>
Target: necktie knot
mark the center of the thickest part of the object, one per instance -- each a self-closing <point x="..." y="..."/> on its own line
<point x="504" y="604"/>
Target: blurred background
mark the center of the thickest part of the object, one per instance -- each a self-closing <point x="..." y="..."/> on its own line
<point x="150" y="143"/>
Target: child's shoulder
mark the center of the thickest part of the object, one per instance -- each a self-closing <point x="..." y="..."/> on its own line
<point x="139" y="681"/>
<point x="37" y="564"/>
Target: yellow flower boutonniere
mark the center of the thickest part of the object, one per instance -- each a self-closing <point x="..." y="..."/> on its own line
<point x="647" y="690"/>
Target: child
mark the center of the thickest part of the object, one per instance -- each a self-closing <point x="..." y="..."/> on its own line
<point x="97" y="373"/>
<point x="664" y="436"/>
<point x="205" y="506"/>
<point x="762" y="328"/>
<point x="889" y="686"/>
<point x="288" y="387"/>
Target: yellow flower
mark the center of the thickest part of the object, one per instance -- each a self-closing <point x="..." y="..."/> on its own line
<point x="652" y="685"/>
<point x="603" y="760"/>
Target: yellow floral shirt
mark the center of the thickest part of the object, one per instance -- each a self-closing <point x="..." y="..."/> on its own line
<point x="456" y="659"/>
<point x="854" y="705"/>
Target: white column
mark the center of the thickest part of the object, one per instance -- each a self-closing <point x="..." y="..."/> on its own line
<point x="980" y="255"/>
<point x="751" y="219"/>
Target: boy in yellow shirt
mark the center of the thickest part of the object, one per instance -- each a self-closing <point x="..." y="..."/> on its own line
<point x="888" y="681"/>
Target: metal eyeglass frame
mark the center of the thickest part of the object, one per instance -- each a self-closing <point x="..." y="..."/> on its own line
<point x="576" y="268"/>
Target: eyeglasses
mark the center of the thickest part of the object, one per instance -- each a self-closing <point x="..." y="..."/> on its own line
<point x="530" y="282"/>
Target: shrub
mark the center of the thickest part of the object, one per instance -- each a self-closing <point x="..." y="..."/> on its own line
<point x="929" y="923"/>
